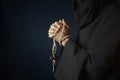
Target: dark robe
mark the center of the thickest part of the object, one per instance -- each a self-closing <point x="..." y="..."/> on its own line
<point x="95" y="55"/>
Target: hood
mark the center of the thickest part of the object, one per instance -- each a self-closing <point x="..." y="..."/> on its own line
<point x="86" y="11"/>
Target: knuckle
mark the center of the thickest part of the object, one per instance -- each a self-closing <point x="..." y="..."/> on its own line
<point x="49" y="31"/>
<point x="55" y="22"/>
<point x="52" y="23"/>
<point x="50" y="36"/>
<point x="51" y="26"/>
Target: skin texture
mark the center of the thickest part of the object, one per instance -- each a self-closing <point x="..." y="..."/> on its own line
<point x="55" y="31"/>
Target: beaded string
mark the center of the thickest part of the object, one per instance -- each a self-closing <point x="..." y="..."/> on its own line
<point x="54" y="48"/>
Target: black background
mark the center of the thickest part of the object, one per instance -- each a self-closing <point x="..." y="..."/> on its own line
<point x="25" y="44"/>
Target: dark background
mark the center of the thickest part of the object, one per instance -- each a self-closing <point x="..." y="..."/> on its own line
<point x="25" y="46"/>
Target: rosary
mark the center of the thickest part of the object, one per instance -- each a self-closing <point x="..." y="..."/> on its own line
<point x="53" y="57"/>
<point x="54" y="49"/>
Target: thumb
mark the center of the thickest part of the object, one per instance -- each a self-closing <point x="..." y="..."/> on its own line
<point x="63" y="22"/>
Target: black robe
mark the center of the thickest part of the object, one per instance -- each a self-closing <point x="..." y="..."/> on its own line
<point x="95" y="55"/>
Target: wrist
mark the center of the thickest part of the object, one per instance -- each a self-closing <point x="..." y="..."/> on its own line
<point x="65" y="41"/>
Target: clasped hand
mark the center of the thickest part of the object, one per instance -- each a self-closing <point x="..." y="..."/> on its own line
<point x="57" y="32"/>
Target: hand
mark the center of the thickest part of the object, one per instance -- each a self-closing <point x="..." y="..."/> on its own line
<point x="55" y="31"/>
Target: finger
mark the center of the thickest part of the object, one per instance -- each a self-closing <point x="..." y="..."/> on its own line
<point x="57" y="24"/>
<point x="51" y="35"/>
<point x="60" y="21"/>
<point x="53" y="26"/>
<point x="63" y="21"/>
<point x="52" y="30"/>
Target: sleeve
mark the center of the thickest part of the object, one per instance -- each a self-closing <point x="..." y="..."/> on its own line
<point x="79" y="63"/>
<point x="70" y="64"/>
<point x="95" y="62"/>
